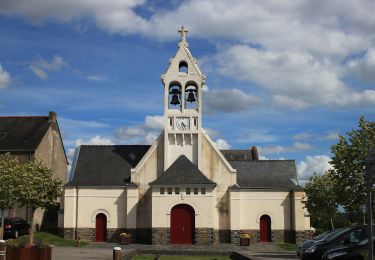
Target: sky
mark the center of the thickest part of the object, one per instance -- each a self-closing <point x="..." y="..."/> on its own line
<point x="285" y="76"/>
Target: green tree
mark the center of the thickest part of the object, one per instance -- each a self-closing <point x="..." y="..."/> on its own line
<point x="348" y="166"/>
<point x="39" y="189"/>
<point x="10" y="169"/>
<point x="321" y="200"/>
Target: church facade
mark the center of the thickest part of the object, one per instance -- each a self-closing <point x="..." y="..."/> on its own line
<point x="182" y="189"/>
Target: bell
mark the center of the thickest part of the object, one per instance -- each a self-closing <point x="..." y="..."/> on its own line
<point x="191" y="97"/>
<point x="175" y="101"/>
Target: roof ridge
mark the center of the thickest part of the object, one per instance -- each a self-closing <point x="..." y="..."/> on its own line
<point x="115" y="145"/>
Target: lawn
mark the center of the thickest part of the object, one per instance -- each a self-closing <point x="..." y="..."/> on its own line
<point x="49" y="239"/>
<point x="288" y="247"/>
<point x="180" y="257"/>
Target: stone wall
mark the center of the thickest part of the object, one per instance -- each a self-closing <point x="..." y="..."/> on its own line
<point x="301" y="236"/>
<point x="160" y="236"/>
<point x="204" y="236"/>
<point x="277" y="236"/>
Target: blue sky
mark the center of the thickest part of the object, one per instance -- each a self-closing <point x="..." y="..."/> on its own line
<point x="286" y="76"/>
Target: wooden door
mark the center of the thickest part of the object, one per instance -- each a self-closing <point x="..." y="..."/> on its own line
<point x="182" y="224"/>
<point x="265" y="228"/>
<point x="101" y="228"/>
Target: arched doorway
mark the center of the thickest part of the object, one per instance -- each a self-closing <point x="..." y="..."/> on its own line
<point x="265" y="228"/>
<point x="100" y="228"/>
<point x="182" y="224"/>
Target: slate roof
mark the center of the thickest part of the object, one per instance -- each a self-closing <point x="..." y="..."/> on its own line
<point x="269" y="174"/>
<point x="106" y="165"/>
<point x="237" y="155"/>
<point x="182" y="172"/>
<point x="22" y="133"/>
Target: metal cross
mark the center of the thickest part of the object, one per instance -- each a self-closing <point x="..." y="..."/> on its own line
<point x="183" y="31"/>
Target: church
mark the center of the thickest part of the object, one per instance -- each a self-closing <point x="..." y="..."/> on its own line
<point x="182" y="189"/>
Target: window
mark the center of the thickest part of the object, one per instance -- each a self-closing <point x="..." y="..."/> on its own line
<point x="203" y="191"/>
<point x="169" y="190"/>
<point x="195" y="191"/>
<point x="183" y="67"/>
<point x="170" y="121"/>
<point x="177" y="190"/>
<point x="195" y="121"/>
<point x="191" y="95"/>
<point x="161" y="190"/>
<point x="3" y="135"/>
<point x="174" y="97"/>
<point x="188" y="190"/>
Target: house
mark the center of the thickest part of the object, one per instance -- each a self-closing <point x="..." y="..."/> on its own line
<point x="182" y="189"/>
<point x="39" y="138"/>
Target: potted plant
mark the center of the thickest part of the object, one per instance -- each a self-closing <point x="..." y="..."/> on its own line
<point x="125" y="238"/>
<point x="245" y="239"/>
<point x="21" y="249"/>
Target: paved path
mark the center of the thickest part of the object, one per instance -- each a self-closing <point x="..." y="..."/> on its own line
<point x="103" y="251"/>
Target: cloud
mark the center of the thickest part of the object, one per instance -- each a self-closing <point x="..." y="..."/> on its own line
<point x="294" y="79"/>
<point x="221" y="144"/>
<point x="318" y="164"/>
<point x="227" y="100"/>
<point x="257" y="136"/>
<point x="145" y="133"/>
<point x="4" y="78"/>
<point x="96" y="140"/>
<point x="364" y="67"/>
<point x="95" y="78"/>
<point x="277" y="149"/>
<point x="40" y="67"/>
<point x="331" y="135"/>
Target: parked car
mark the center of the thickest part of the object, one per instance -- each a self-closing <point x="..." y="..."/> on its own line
<point x="354" y="251"/>
<point x="344" y="237"/>
<point x="308" y="243"/>
<point x="15" y="227"/>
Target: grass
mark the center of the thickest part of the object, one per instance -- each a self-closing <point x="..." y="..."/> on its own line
<point x="50" y="239"/>
<point x="180" y="257"/>
<point x="288" y="246"/>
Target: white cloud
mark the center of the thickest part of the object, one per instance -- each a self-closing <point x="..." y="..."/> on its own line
<point x="318" y="164"/>
<point x="364" y="67"/>
<point x="277" y="149"/>
<point x="303" y="136"/>
<point x="145" y="133"/>
<point x="221" y="144"/>
<point x="96" y="140"/>
<point x="40" y="67"/>
<point x="227" y="100"/>
<point x="257" y="136"/>
<point x="95" y="78"/>
<point x="4" y="78"/>
<point x="211" y="132"/>
<point x="333" y="136"/>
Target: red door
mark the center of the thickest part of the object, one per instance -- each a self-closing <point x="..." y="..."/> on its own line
<point x="101" y="228"/>
<point x="182" y="224"/>
<point x="265" y="228"/>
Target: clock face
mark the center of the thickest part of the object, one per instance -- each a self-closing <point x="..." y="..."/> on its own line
<point x="183" y="123"/>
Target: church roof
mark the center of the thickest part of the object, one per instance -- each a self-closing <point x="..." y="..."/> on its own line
<point x="268" y="174"/>
<point x="182" y="172"/>
<point x="22" y="133"/>
<point x="106" y="165"/>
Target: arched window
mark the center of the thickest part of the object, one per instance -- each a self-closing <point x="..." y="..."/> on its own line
<point x="191" y="95"/>
<point x="183" y="67"/>
<point x="174" y="98"/>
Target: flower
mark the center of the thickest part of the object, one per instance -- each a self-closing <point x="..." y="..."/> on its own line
<point x="124" y="234"/>
<point x="246" y="235"/>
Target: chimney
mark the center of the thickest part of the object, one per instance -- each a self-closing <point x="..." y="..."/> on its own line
<point x="52" y="117"/>
<point x="254" y="153"/>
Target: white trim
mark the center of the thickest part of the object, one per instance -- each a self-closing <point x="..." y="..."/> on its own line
<point x="93" y="216"/>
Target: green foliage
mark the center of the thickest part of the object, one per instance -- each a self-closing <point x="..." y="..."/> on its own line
<point x="288" y="246"/>
<point x="322" y="201"/>
<point x="10" y="169"/>
<point x="43" y="239"/>
<point x="348" y="163"/>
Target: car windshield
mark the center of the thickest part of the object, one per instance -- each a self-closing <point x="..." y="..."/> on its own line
<point x="328" y="234"/>
<point x="337" y="234"/>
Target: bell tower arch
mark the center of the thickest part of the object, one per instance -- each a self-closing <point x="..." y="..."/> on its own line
<point x="183" y="82"/>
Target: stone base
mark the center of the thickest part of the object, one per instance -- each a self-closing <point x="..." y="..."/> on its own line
<point x="160" y="236"/>
<point x="277" y="236"/>
<point x="88" y="234"/>
<point x="302" y="235"/>
<point x="204" y="236"/>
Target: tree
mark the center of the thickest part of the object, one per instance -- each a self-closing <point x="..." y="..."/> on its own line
<point x="321" y="199"/>
<point x="39" y="189"/>
<point x="348" y="166"/>
<point x="10" y="168"/>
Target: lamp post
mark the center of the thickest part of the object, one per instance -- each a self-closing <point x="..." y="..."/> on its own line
<point x="370" y="174"/>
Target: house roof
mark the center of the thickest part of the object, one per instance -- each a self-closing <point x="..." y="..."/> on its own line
<point x="22" y="133"/>
<point x="271" y="174"/>
<point x="182" y="172"/>
<point x="106" y="165"/>
<point x="237" y="155"/>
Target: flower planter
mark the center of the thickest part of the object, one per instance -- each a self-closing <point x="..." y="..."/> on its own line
<point x="32" y="253"/>
<point x="125" y="240"/>
<point x="244" y="241"/>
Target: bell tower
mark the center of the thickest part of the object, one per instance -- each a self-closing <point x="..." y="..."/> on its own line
<point x="183" y="83"/>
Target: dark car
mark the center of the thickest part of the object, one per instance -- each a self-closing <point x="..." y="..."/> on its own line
<point x="344" y="237"/>
<point x="308" y="243"/>
<point x="15" y="227"/>
<point x="352" y="251"/>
